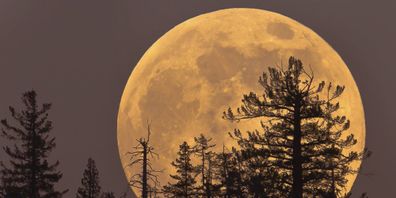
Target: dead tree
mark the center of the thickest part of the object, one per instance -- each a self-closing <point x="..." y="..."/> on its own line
<point x="141" y="156"/>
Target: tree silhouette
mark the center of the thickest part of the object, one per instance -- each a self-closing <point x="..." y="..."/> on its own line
<point x="142" y="155"/>
<point x="212" y="184"/>
<point x="108" y="195"/>
<point x="224" y="169"/>
<point x="29" y="174"/>
<point x="260" y="178"/>
<point x="185" y="175"/>
<point x="229" y="174"/>
<point x="237" y="175"/>
<point x="90" y="182"/>
<point x="202" y="149"/>
<point x="303" y="139"/>
<point x="153" y="191"/>
<point x="9" y="188"/>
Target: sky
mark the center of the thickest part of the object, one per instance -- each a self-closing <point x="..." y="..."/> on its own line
<point x="78" y="55"/>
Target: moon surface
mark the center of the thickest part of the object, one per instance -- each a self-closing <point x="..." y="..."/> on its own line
<point x="204" y="65"/>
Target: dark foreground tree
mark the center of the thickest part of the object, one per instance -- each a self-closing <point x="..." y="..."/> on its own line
<point x="108" y="195"/>
<point x="9" y="189"/>
<point x="185" y="179"/>
<point x="29" y="173"/>
<point x="303" y="137"/>
<point x="259" y="177"/>
<point x="147" y="180"/>
<point x="90" y="187"/>
<point x="229" y="172"/>
<point x="203" y="151"/>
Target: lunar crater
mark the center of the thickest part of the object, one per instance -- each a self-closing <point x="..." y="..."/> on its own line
<point x="280" y="30"/>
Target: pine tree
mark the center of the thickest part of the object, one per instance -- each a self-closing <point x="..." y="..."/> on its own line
<point x="335" y="164"/>
<point x="202" y="149"/>
<point x="108" y="195"/>
<point x="259" y="178"/>
<point x="227" y="174"/>
<point x="237" y="175"/>
<point x="300" y="129"/>
<point x="213" y="182"/>
<point x="29" y="173"/>
<point x="90" y="182"/>
<point x="185" y="179"/>
<point x="9" y="188"/>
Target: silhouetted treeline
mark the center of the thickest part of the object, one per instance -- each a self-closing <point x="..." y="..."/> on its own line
<point x="28" y="173"/>
<point x="303" y="148"/>
<point x="235" y="173"/>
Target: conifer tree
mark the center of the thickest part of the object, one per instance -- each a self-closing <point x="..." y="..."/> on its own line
<point x="108" y="195"/>
<point x="237" y="175"/>
<point x="300" y="128"/>
<point x="184" y="177"/>
<point x="227" y="174"/>
<point x="9" y="188"/>
<point x="90" y="182"/>
<point x="213" y="182"/>
<point x="223" y="171"/>
<point x="202" y="150"/>
<point x="29" y="172"/>
<point x="259" y="177"/>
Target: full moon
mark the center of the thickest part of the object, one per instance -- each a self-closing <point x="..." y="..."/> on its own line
<point x="204" y="65"/>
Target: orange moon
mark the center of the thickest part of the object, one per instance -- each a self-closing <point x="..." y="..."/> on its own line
<point x="189" y="76"/>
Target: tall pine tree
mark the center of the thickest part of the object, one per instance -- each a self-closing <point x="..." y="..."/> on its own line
<point x="29" y="173"/>
<point x="301" y="130"/>
<point x="203" y="151"/>
<point x="185" y="176"/>
<point x="90" y="182"/>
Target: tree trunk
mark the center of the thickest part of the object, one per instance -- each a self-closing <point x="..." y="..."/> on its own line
<point x="297" y="187"/>
<point x="144" y="173"/>
<point x="33" y="187"/>
<point x="203" y="172"/>
<point x="186" y="194"/>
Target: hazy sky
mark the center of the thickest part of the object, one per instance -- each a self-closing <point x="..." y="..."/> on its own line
<point x="78" y="54"/>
